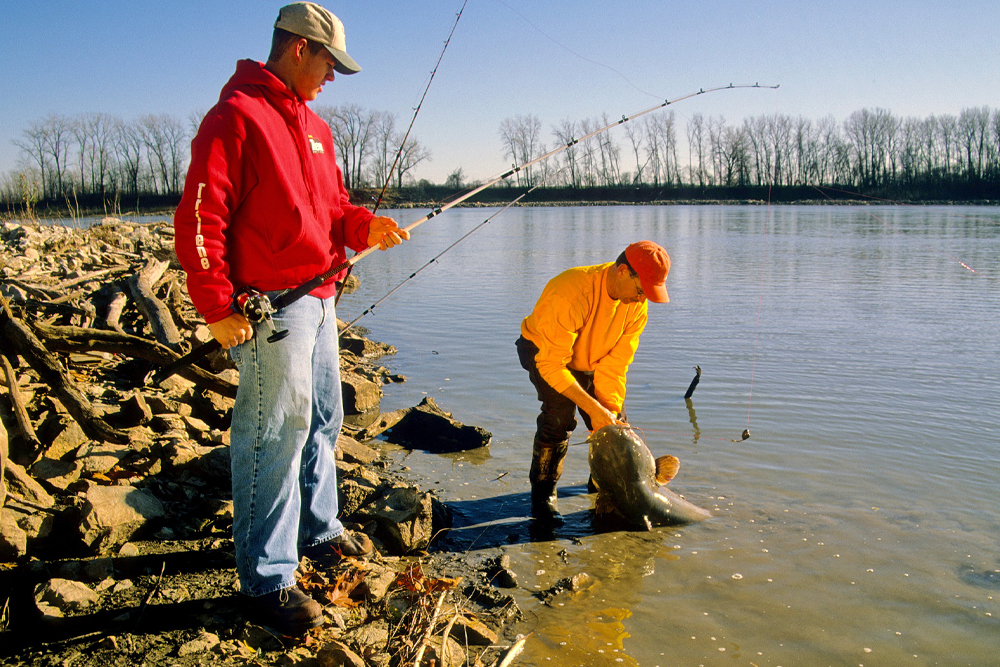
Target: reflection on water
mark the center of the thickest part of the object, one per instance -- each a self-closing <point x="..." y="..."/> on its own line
<point x="857" y="526"/>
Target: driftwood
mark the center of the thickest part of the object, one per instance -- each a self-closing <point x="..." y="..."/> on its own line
<point x="3" y="463"/>
<point x="80" y="339"/>
<point x="140" y="286"/>
<point x="21" y="412"/>
<point x="17" y="334"/>
<point x="114" y="314"/>
<point x="94" y="275"/>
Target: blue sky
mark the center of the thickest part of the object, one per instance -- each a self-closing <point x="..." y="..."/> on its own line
<point x="555" y="59"/>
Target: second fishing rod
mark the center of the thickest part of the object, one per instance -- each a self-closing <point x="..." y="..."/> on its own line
<point x="291" y="296"/>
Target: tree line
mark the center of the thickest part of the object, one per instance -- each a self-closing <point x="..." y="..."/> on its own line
<point x="872" y="151"/>
<point x="102" y="156"/>
<point x="98" y="156"/>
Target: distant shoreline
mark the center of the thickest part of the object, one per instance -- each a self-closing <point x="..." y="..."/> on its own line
<point x="63" y="213"/>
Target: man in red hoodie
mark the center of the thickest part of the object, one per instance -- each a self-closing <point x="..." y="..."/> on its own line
<point x="264" y="207"/>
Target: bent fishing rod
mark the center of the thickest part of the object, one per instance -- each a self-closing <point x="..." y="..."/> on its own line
<point x="305" y="288"/>
<point x="436" y="257"/>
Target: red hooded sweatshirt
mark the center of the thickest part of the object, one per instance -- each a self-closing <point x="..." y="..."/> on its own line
<point x="264" y="201"/>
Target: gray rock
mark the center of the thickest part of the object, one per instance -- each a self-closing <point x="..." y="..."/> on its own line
<point x="430" y="428"/>
<point x="100" y="457"/>
<point x="135" y="411"/>
<point x="13" y="538"/>
<point x="98" y="569"/>
<point x="205" y="641"/>
<point x="360" y="395"/>
<point x="56" y="474"/>
<point x="65" y="594"/>
<point x="336" y="654"/>
<point x="447" y="653"/>
<point x="405" y="519"/>
<point x="354" y="494"/>
<point x="37" y="526"/>
<point x="20" y="483"/>
<point x="353" y="451"/>
<point x="374" y="635"/>
<point x="113" y="514"/>
<point x="68" y="438"/>
<point x="377" y="581"/>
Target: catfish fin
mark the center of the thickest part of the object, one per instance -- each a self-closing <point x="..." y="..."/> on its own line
<point x="666" y="468"/>
<point x="604" y="505"/>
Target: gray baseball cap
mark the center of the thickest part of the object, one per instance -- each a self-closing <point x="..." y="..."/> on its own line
<point x="309" y="20"/>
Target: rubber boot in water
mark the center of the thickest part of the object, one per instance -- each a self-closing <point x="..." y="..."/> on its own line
<point x="546" y="468"/>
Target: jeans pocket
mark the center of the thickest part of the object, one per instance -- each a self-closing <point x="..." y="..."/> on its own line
<point x="236" y="354"/>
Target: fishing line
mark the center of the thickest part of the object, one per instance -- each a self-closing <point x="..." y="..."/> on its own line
<point x="892" y="227"/>
<point x="416" y="111"/>
<point x="406" y="135"/>
<point x="304" y="289"/>
<point x="563" y="46"/>
<point x="434" y="259"/>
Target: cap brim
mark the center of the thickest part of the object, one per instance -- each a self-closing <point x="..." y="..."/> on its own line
<point x="345" y="63"/>
<point x="656" y="293"/>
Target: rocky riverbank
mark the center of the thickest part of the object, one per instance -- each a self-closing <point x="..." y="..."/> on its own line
<point x="115" y="507"/>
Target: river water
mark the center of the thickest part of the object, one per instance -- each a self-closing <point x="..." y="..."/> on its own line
<point x="859" y="524"/>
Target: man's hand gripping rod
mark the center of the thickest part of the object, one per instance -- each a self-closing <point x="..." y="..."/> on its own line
<point x="255" y="306"/>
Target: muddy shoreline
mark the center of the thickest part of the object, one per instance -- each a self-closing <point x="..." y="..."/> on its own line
<point x="115" y="520"/>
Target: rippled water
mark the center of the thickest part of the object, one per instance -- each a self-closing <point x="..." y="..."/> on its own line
<point x="859" y="525"/>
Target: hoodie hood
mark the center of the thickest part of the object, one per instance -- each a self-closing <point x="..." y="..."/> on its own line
<point x="252" y="78"/>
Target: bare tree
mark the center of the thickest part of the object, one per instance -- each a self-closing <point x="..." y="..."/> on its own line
<point x="610" y="173"/>
<point x="385" y="147"/>
<point x="697" y="148"/>
<point x="638" y="138"/>
<point x="973" y="129"/>
<point x="455" y="179"/>
<point x="128" y="146"/>
<point x="48" y="142"/>
<point x="521" y="136"/>
<point x="871" y="134"/>
<point x="412" y="155"/>
<point x="353" y="130"/>
<point x="566" y="134"/>
<point x="33" y="145"/>
<point x="588" y="152"/>
<point x="95" y="144"/>
<point x="734" y="153"/>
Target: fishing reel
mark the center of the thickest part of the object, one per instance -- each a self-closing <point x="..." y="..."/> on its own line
<point x="256" y="307"/>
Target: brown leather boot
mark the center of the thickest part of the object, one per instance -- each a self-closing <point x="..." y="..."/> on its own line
<point x="546" y="468"/>
<point x="289" y="611"/>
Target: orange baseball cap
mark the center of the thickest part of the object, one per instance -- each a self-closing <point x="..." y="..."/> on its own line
<point x="652" y="264"/>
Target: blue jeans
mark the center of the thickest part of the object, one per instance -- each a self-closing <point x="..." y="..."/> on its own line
<point x="286" y="419"/>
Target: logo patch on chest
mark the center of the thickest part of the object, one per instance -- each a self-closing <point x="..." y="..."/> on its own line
<point x="316" y="146"/>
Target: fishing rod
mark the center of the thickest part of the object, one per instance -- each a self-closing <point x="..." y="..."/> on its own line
<point x="515" y="169"/>
<point x="416" y="111"/>
<point x="436" y="257"/>
<point x="305" y="288"/>
<point x="406" y="135"/>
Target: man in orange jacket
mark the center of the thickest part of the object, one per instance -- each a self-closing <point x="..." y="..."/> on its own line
<point x="577" y="345"/>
